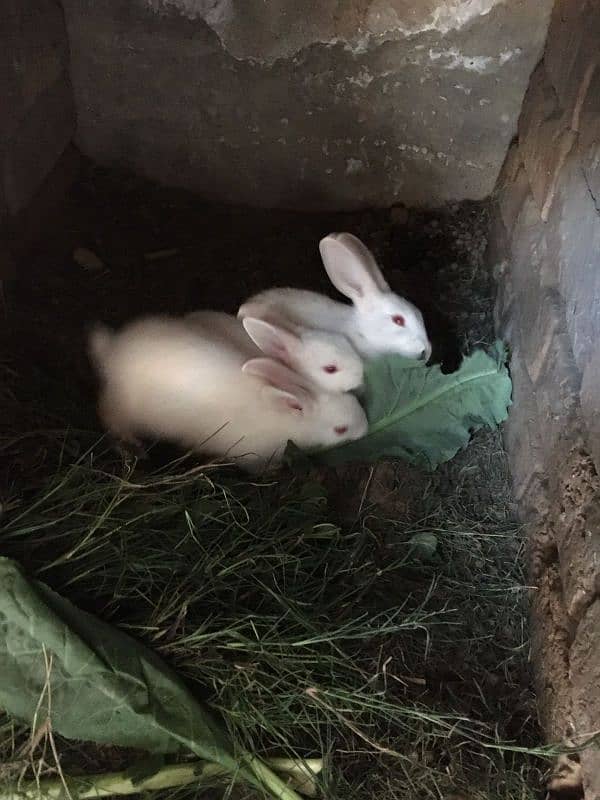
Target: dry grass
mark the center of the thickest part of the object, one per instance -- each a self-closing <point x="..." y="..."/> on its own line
<point x="396" y="644"/>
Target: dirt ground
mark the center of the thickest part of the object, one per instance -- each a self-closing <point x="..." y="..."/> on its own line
<point x="162" y="250"/>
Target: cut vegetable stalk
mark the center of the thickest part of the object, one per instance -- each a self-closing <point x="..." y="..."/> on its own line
<point x="299" y="774"/>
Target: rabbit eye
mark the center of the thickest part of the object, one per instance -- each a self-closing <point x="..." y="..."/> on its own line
<point x="399" y="320"/>
<point x="340" y="429"/>
<point x="330" y="369"/>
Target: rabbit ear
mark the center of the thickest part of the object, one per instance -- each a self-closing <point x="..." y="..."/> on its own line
<point x="274" y="341"/>
<point x="366" y="257"/>
<point x="285" y="385"/>
<point x="351" y="267"/>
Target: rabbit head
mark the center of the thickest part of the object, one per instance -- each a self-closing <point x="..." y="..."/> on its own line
<point x="383" y="321"/>
<point x="322" y="418"/>
<point x="327" y="359"/>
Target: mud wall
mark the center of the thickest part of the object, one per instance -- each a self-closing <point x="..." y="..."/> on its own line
<point x="546" y="250"/>
<point x="309" y="105"/>
<point x="37" y="120"/>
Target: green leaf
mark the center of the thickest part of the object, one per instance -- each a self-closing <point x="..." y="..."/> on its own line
<point x="423" y="416"/>
<point x="98" y="684"/>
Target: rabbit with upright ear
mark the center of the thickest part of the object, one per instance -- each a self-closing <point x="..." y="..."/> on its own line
<point x="379" y="321"/>
<point x="202" y="385"/>
<point x="326" y="359"/>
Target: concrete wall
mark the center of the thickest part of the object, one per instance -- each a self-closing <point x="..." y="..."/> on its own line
<point x="317" y="104"/>
<point x="546" y="247"/>
<point x="38" y="117"/>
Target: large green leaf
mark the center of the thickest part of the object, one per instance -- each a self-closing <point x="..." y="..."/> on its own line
<point x="423" y="416"/>
<point x="98" y="684"/>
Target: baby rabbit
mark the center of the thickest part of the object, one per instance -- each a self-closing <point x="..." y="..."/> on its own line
<point x="200" y="384"/>
<point x="326" y="359"/>
<point x="378" y="322"/>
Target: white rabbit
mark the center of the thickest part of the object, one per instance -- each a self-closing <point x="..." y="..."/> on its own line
<point x="202" y="386"/>
<point x="379" y="320"/>
<point x="327" y="359"/>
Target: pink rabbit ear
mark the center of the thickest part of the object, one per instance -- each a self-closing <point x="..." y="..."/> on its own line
<point x="351" y="267"/>
<point x="273" y="340"/>
<point x="367" y="258"/>
<point x="285" y="384"/>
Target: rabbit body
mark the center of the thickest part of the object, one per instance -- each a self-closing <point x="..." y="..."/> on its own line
<point x="326" y="359"/>
<point x="199" y="382"/>
<point x="379" y="321"/>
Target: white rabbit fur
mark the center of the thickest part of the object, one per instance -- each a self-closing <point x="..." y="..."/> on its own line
<point x="200" y="384"/>
<point x="327" y="359"/>
<point x="379" y="321"/>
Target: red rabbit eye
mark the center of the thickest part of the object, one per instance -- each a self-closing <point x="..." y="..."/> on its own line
<point x="330" y="369"/>
<point x="340" y="429"/>
<point x="399" y="320"/>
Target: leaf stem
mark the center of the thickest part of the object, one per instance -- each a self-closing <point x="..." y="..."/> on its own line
<point x="298" y="774"/>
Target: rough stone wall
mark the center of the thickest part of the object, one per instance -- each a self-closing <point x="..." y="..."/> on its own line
<point x="310" y="105"/>
<point x="37" y="120"/>
<point x="546" y="247"/>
